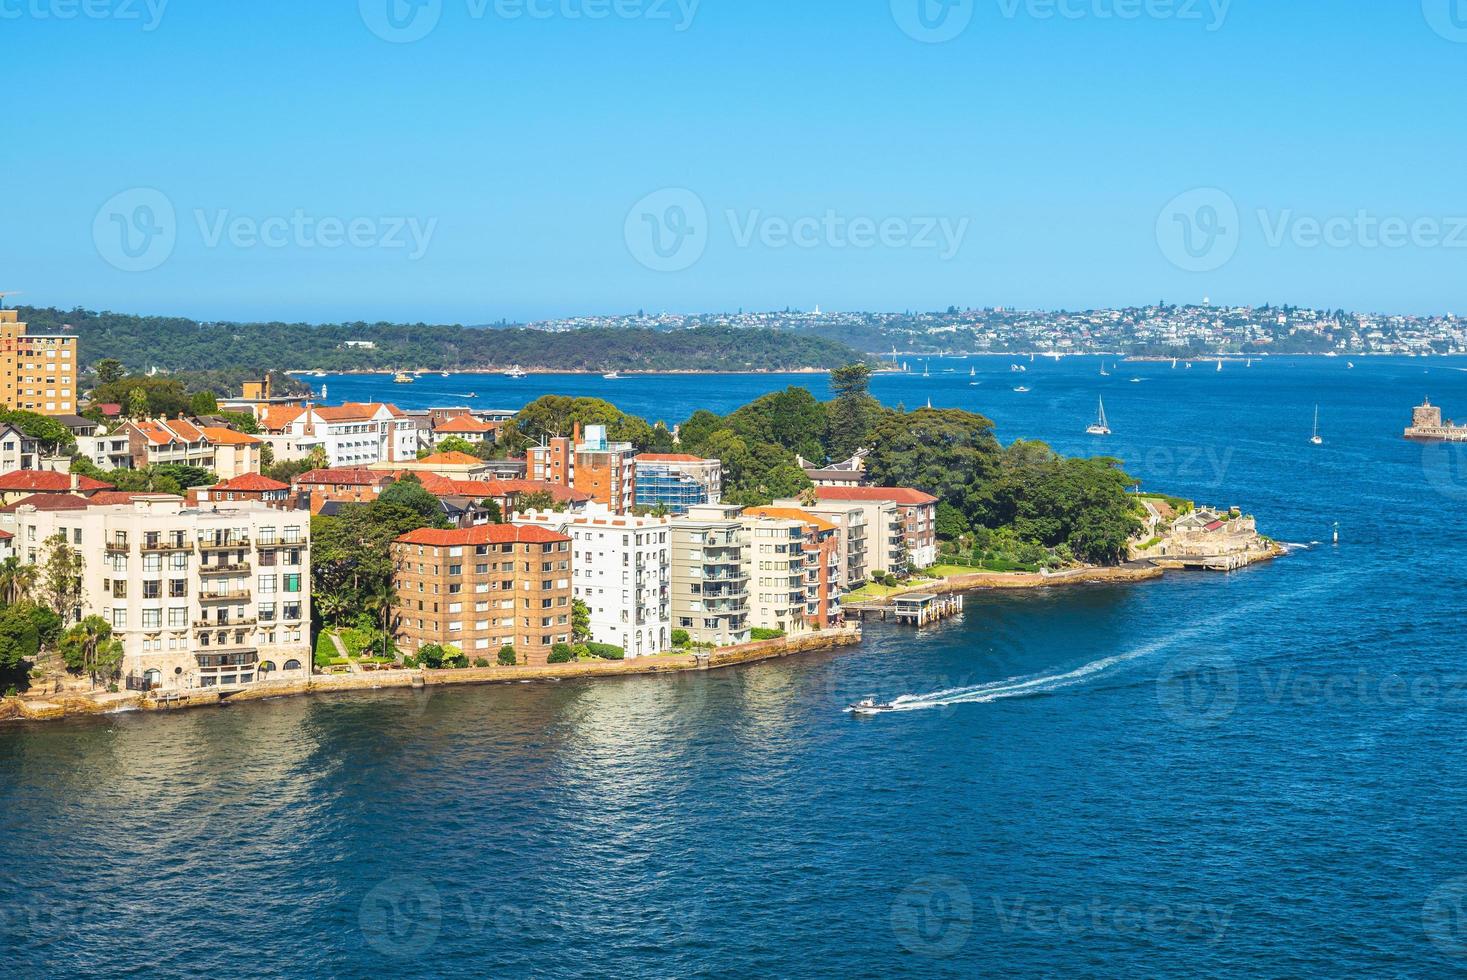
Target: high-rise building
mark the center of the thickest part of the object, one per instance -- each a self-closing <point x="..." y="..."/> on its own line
<point x="710" y="583"/>
<point x="37" y="371"/>
<point x="606" y="471"/>
<point x="622" y="571"/>
<point x="483" y="588"/>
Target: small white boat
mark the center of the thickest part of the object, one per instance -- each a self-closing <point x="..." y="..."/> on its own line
<point x="1317" y="439"/>
<point x="1135" y="381"/>
<point x="1350" y="365"/>
<point x="444" y="374"/>
<point x="403" y="378"/>
<point x="1017" y="368"/>
<point x="1219" y="364"/>
<point x="1022" y="390"/>
<point x="1103" y="372"/>
<point x="1174" y="364"/>
<point x="1101" y="427"/>
<point x="972" y="372"/>
<point x="612" y="376"/>
<point x="516" y="372"/>
<point x="870" y="706"/>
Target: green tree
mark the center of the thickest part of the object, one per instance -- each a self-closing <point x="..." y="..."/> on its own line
<point x="17" y="580"/>
<point x="951" y="522"/>
<point x="109" y="370"/>
<point x="947" y="453"/>
<point x="580" y="621"/>
<point x="20" y="641"/>
<point x="492" y="510"/>
<point x="535" y="500"/>
<point x="853" y="414"/>
<point x="408" y="493"/>
<point x="203" y="403"/>
<point x="89" y="648"/>
<point x="507" y="656"/>
<point x="457" y="444"/>
<point x="60" y="585"/>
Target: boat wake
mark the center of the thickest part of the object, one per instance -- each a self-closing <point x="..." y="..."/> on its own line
<point x="1040" y="684"/>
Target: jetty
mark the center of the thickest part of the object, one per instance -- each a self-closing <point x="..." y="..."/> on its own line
<point x="909" y="609"/>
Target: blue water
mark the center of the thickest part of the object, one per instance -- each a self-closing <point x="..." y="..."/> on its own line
<point x="1255" y="774"/>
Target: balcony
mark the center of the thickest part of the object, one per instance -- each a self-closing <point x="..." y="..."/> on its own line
<point x="218" y="596"/>
<point x="209" y="624"/>
<point x="165" y="546"/>
<point x="278" y="543"/>
<point x="231" y="568"/>
<point x="115" y="546"/>
<point x="224" y="542"/>
<point x="236" y="657"/>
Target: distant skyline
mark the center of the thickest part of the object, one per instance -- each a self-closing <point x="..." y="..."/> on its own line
<point x="474" y="161"/>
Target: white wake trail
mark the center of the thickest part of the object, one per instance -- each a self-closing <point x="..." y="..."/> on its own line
<point x="1028" y="686"/>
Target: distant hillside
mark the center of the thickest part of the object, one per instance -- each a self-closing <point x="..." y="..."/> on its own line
<point x="178" y="344"/>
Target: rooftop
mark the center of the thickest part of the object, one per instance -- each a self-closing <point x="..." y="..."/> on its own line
<point x="484" y="534"/>
<point x="900" y="495"/>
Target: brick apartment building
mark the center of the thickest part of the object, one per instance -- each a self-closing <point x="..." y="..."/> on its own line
<point x="483" y="588"/>
<point x="607" y="471"/>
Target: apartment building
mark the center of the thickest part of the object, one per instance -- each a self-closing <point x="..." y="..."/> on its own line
<point x="605" y="470"/>
<point x="107" y="451"/>
<point x="852" y="544"/>
<point x="153" y="442"/>
<point x="235" y="453"/>
<point x="823" y="563"/>
<point x="678" y="481"/>
<point x="782" y="595"/>
<point x="23" y="483"/>
<point x="622" y="571"/>
<point x="916" y="520"/>
<point x="352" y="434"/>
<point x="37" y="371"/>
<point x="710" y="584"/>
<point x="483" y="588"/>
<point x="250" y="486"/>
<point x="464" y="427"/>
<point x="18" y="451"/>
<point x="200" y="597"/>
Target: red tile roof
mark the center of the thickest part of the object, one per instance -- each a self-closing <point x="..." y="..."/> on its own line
<point x="792" y="514"/>
<point x="442" y="486"/>
<point x="229" y="437"/>
<point x="451" y="459"/>
<point x="900" y="495"/>
<point x="277" y="417"/>
<point x="47" y="481"/>
<point x="356" y="476"/>
<point x="48" y="501"/>
<point x="669" y="458"/>
<point x="251" y="483"/>
<point x="105" y="498"/>
<point x="465" y="423"/>
<point x="484" y="534"/>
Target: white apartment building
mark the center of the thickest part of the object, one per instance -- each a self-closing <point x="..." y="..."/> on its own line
<point x="215" y="597"/>
<point x="108" y="452"/>
<point x="621" y="568"/>
<point x="353" y="434"/>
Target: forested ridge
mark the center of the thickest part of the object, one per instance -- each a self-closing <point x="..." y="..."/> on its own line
<point x="180" y="344"/>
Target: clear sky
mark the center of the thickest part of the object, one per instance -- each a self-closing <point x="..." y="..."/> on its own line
<point x="473" y="160"/>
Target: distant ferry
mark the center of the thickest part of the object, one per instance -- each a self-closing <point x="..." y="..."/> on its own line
<point x="517" y="372"/>
<point x="1427" y="426"/>
<point x="403" y="378"/>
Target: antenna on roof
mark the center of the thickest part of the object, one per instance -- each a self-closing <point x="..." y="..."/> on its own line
<point x="8" y="292"/>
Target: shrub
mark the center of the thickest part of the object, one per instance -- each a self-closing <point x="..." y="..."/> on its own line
<point x="759" y="633"/>
<point x="432" y="656"/>
<point x="481" y="662"/>
<point x="507" y="656"/>
<point x="681" y="638"/>
<point x="562" y="654"/>
<point x="411" y="663"/>
<point x="455" y="661"/>
<point x="111" y="688"/>
<point x="11" y="692"/>
<point x="605" y="651"/>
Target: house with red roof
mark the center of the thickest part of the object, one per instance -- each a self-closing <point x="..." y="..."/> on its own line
<point x="247" y="486"/>
<point x="23" y="483"/>
<point x="465" y="427"/>
<point x="916" y="516"/>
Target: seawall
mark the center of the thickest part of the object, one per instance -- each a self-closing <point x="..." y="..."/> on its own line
<point x="24" y="709"/>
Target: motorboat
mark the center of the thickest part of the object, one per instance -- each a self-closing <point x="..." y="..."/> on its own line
<point x="612" y="376"/>
<point x="1022" y="389"/>
<point x="870" y="706"/>
<point x="403" y="378"/>
<point x="517" y="372"/>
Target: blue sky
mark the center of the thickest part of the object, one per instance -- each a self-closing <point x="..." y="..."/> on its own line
<point x="286" y="160"/>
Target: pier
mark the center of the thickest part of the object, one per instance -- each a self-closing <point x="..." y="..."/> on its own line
<point x="914" y="609"/>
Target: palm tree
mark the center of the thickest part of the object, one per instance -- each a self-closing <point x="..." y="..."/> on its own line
<point x="17" y="580"/>
<point x="89" y="646"/>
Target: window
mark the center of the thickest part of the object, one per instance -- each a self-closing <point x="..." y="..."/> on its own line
<point x="177" y="616"/>
<point x="152" y="619"/>
<point x="267" y="584"/>
<point x="152" y="589"/>
<point x="177" y="588"/>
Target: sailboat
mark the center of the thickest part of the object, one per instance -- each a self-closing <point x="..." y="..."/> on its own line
<point x="1318" y="440"/>
<point x="1101" y="426"/>
<point x="972" y="372"/>
<point x="925" y="372"/>
<point x="1219" y="364"/>
<point x="1103" y="372"/>
<point x="1174" y="364"/>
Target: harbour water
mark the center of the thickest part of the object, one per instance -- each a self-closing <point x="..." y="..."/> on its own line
<point x="1255" y="773"/>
